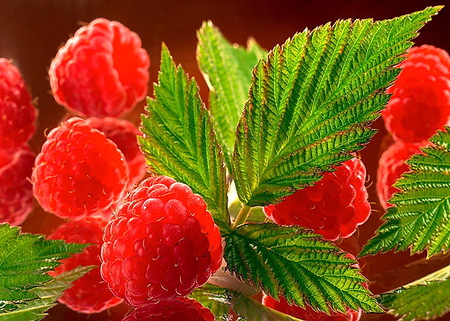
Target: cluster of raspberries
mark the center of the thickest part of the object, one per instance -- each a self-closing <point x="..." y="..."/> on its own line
<point x="419" y="106"/>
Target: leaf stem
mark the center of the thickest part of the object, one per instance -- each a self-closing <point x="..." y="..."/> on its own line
<point x="242" y="216"/>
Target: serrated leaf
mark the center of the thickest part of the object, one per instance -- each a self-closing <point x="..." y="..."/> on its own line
<point x="311" y="103"/>
<point x="425" y="299"/>
<point x="25" y="260"/>
<point x="420" y="216"/>
<point x="214" y="298"/>
<point x="179" y="140"/>
<point x="299" y="265"/>
<point x="46" y="296"/>
<point x="227" y="69"/>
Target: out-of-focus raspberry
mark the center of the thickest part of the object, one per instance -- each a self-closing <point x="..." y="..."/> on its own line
<point x="16" y="191"/>
<point x="160" y="244"/>
<point x="101" y="71"/>
<point x="79" y="171"/>
<point x="124" y="134"/>
<point x="420" y="102"/>
<point x="179" y="309"/>
<point x="333" y="207"/>
<point x="17" y="112"/>
<point x="391" y="166"/>
<point x="88" y="294"/>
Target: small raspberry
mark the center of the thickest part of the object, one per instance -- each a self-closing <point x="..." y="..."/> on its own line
<point x="391" y="166"/>
<point x="124" y="134"/>
<point x="333" y="207"/>
<point x="161" y="243"/>
<point x="420" y="102"/>
<point x="16" y="191"/>
<point x="17" y="113"/>
<point x="179" y="309"/>
<point x="101" y="71"/>
<point x="79" y="171"/>
<point x="88" y="294"/>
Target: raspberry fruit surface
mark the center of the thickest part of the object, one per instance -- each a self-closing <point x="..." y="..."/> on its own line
<point x="179" y="309"/>
<point x="17" y="112"/>
<point x="124" y="134"/>
<point x="79" y="171"/>
<point x="88" y="294"/>
<point x="333" y="207"/>
<point x="101" y="71"/>
<point x="161" y="243"/>
<point x="420" y="102"/>
<point x="16" y="191"/>
<point x="391" y="166"/>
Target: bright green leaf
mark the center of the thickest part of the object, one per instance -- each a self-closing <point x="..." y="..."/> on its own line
<point x="214" y="298"/>
<point x="420" y="216"/>
<point x="179" y="140"/>
<point x="311" y="102"/>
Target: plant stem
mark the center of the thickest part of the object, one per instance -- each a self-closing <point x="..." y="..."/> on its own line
<point x="242" y="216"/>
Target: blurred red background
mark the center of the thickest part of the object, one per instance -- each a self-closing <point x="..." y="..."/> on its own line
<point x="31" y="31"/>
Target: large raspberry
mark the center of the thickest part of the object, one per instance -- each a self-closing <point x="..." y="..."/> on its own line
<point x="101" y="71"/>
<point x="179" y="309"/>
<point x="420" y="102"/>
<point x="124" y="134"/>
<point x="333" y="207"/>
<point x="88" y="294"/>
<point x="161" y="243"/>
<point x="79" y="171"/>
<point x="16" y="192"/>
<point x="391" y="166"/>
<point x="17" y="112"/>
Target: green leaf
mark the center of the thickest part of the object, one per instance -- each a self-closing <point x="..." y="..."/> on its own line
<point x="25" y="260"/>
<point x="420" y="216"/>
<point x="179" y="140"/>
<point x="425" y="299"/>
<point x="214" y="298"/>
<point x="299" y="265"/>
<point x="227" y="69"/>
<point x="311" y="103"/>
<point x="46" y="295"/>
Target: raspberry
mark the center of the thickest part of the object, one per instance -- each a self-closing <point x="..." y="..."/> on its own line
<point x="391" y="166"/>
<point x="79" y="171"/>
<point x="101" y="71"/>
<point x="179" y="309"/>
<point x="17" y="113"/>
<point x="333" y="207"/>
<point x="124" y="134"/>
<point x="420" y="102"/>
<point x="16" y="192"/>
<point x="161" y="243"/>
<point x="88" y="294"/>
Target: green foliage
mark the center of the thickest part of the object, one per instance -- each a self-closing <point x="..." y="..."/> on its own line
<point x="25" y="260"/>
<point x="179" y="140"/>
<point x="214" y="298"/>
<point x="424" y="299"/>
<point x="298" y="265"/>
<point x="227" y="69"/>
<point x="311" y="101"/>
<point x="45" y="297"/>
<point x="420" y="217"/>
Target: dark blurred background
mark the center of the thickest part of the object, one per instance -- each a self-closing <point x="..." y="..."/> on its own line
<point x="31" y="31"/>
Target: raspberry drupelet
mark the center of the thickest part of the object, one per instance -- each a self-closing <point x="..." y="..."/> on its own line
<point x="79" y="172"/>
<point x="101" y="71"/>
<point x="160" y="244"/>
<point x="333" y="207"/>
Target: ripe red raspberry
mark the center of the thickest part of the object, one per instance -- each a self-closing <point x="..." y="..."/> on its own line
<point x="16" y="192"/>
<point x="333" y="207"/>
<point x="88" y="294"/>
<point x="17" y="113"/>
<point x="420" y="104"/>
<point x="124" y="134"/>
<point x="101" y="71"/>
<point x="179" y="309"/>
<point x="79" y="171"/>
<point x="391" y="166"/>
<point x="161" y="243"/>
